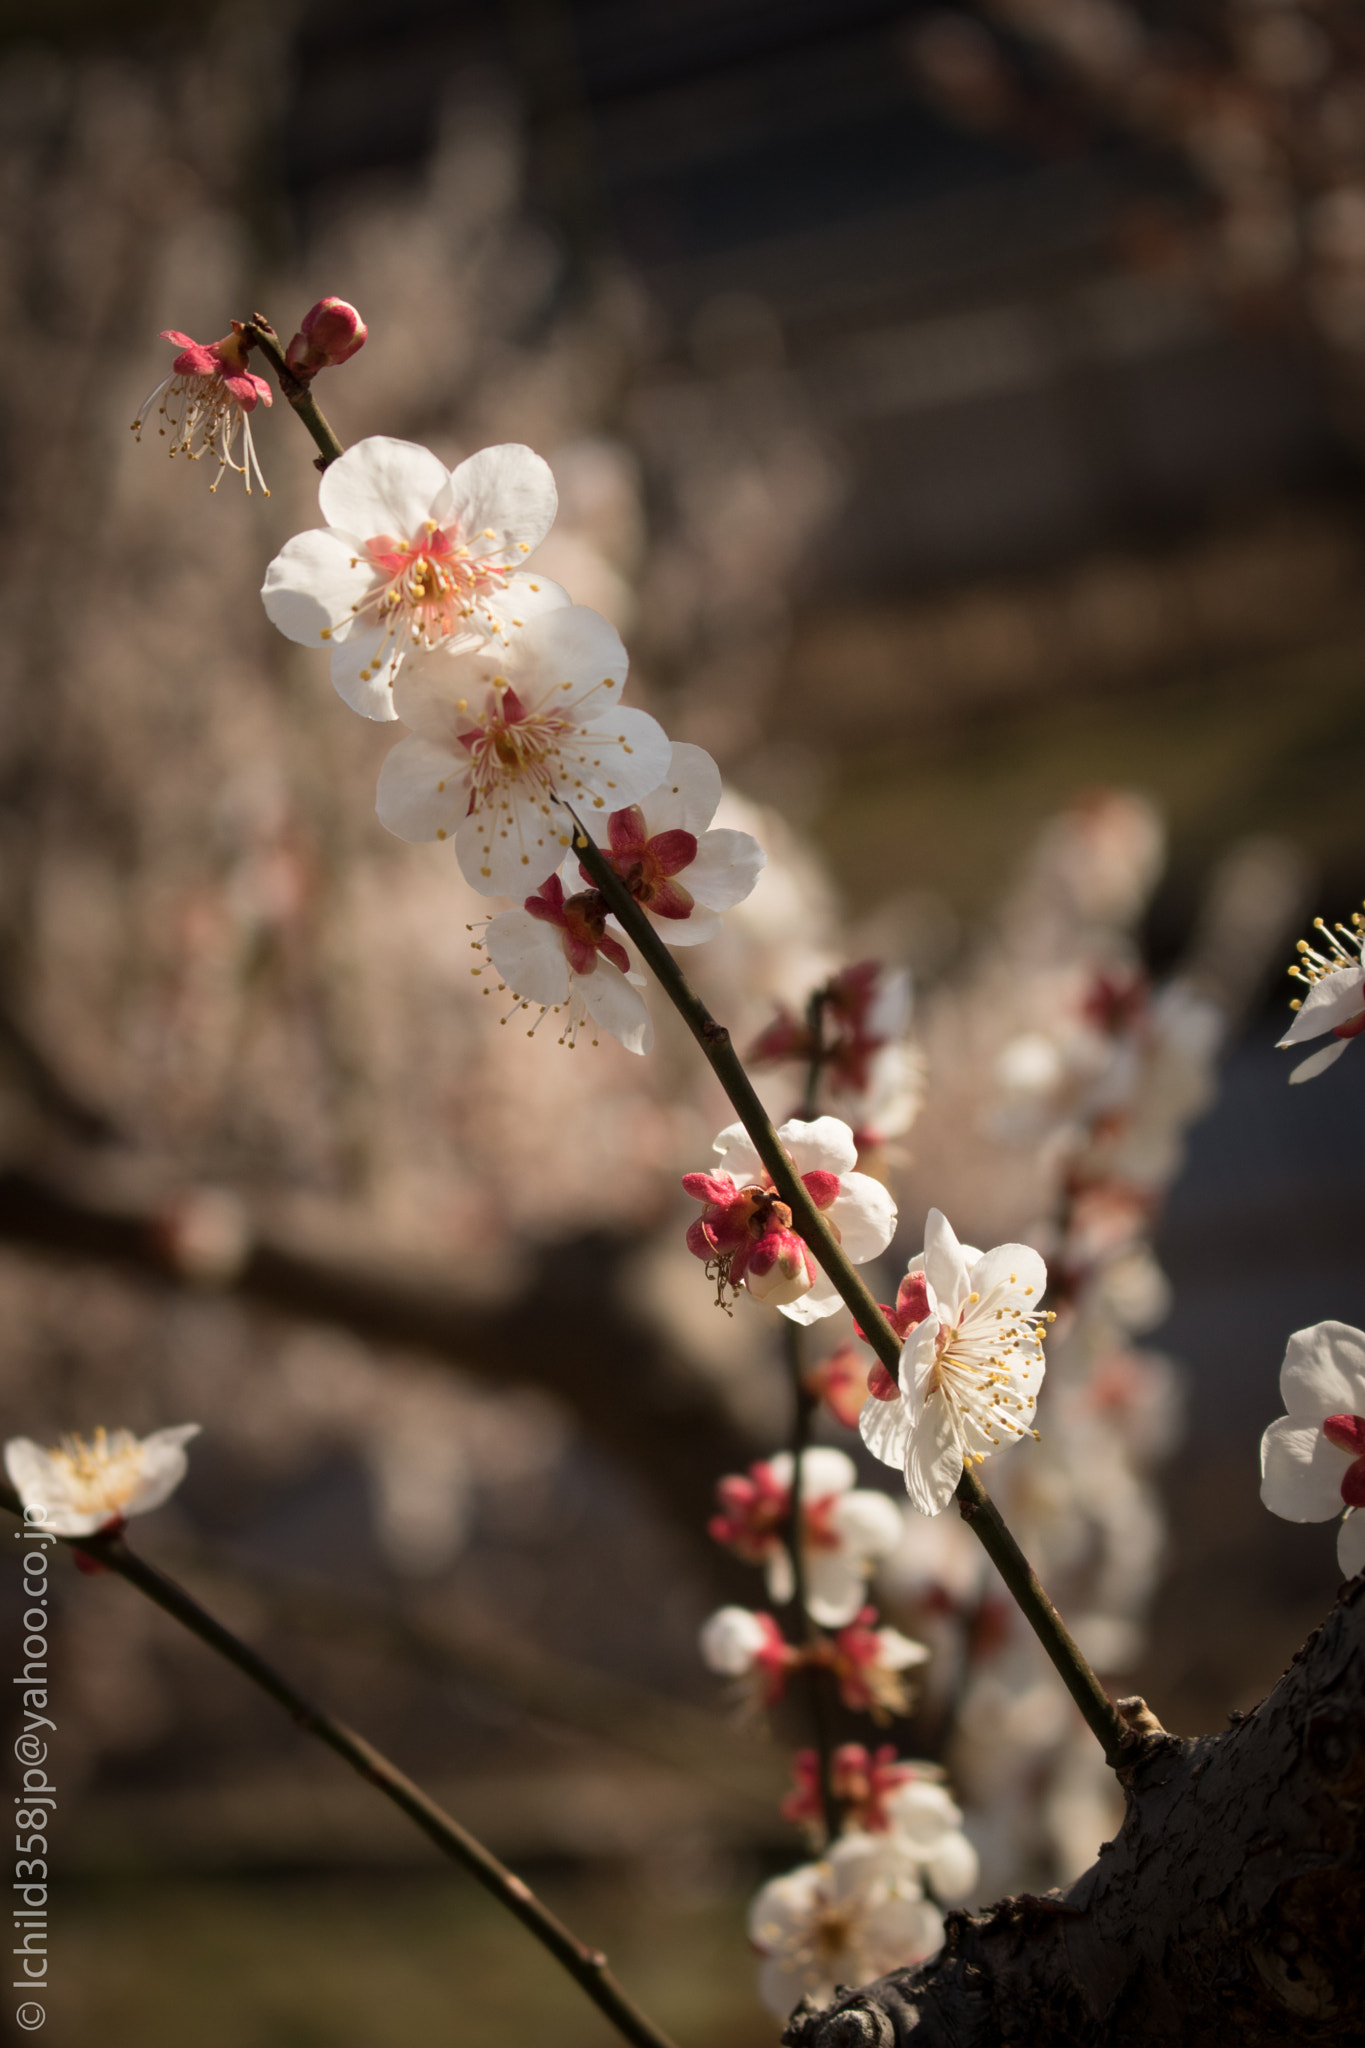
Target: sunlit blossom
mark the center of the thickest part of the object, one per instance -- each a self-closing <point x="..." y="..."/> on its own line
<point x="1335" y="1001"/>
<point x="503" y="737"/>
<point x="557" y="953"/>
<point x="413" y="557"/>
<point x="92" y="1486"/>
<point x="681" y="874"/>
<point x="970" y="1368"/>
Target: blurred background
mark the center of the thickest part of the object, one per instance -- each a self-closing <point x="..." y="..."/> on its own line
<point x="960" y="413"/>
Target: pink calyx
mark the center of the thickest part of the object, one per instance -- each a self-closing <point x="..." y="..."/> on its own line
<point x="648" y="865"/>
<point x="756" y="1511"/>
<point x="1352" y="1028"/>
<point x="745" y="1235"/>
<point x="1347" y="1432"/>
<point x="867" y="1684"/>
<point x="582" y="924"/>
<point x="912" y="1306"/>
<point x="841" y="1381"/>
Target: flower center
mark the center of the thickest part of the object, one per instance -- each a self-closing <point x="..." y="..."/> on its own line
<point x="511" y="746"/>
<point x="431" y="585"/>
<point x="102" y="1471"/>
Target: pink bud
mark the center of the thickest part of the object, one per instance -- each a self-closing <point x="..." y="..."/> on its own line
<point x="331" y="333"/>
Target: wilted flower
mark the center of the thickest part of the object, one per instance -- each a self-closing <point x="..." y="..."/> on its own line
<point x="500" y="733"/>
<point x="845" y="1920"/>
<point x="88" y="1488"/>
<point x="206" y="402"/>
<point x="969" y="1370"/>
<point x="1336" y="995"/>
<point x="1313" y="1458"/>
<point x="746" y="1236"/>
<point x="413" y="556"/>
<point x="845" y="1531"/>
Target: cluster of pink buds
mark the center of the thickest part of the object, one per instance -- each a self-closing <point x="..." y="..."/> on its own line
<point x="861" y="1780"/>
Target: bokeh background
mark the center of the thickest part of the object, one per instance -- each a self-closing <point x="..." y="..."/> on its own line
<point x="960" y="411"/>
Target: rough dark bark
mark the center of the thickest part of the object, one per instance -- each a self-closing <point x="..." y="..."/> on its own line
<point x="1230" y="1908"/>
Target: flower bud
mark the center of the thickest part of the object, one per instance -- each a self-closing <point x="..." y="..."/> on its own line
<point x="331" y="333"/>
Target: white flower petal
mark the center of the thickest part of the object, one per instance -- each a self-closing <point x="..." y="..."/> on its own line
<point x="512" y="859"/>
<point x="864" y="1214"/>
<point x="736" y="1156"/>
<point x="313" y="585"/>
<point x="834" y="1588"/>
<point x="618" y="752"/>
<point x="530" y="957"/>
<point x="823" y="1146"/>
<point x="1335" y="999"/>
<point x="731" y="1640"/>
<point x="687" y="797"/>
<point x="381" y="487"/>
<point x="820" y="1299"/>
<point x="953" y="1869"/>
<point x="509" y="489"/>
<point x="360" y="678"/>
<point x="945" y="1262"/>
<point x="1301" y="1472"/>
<point x="825" y="1470"/>
<point x="616" y="1006"/>
<point x="885" y="1428"/>
<point x="868" y="1524"/>
<point x="423" y="794"/>
<point x="571" y="645"/>
<point x="933" y="1458"/>
<point x="1012" y="1276"/>
<point x="725" y="870"/>
<point x="686" y="931"/>
<point x="524" y="599"/>
<point x="1351" y="1544"/>
<point x="1324" y="1372"/>
<point x="1318" y="1062"/>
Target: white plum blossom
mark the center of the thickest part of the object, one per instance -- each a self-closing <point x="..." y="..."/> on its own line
<point x="970" y="1365"/>
<point x="1313" y="1458"/>
<point x="413" y="555"/>
<point x="846" y="1530"/>
<point x="738" y="1643"/>
<point x="745" y="1232"/>
<point x="556" y="951"/>
<point x="88" y="1488"/>
<point x="845" y="1920"/>
<point x="501" y="732"/>
<point x="924" y="1816"/>
<point x="681" y="875"/>
<point x="1336" y="995"/>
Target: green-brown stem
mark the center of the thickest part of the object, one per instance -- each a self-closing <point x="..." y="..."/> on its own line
<point x="258" y="333"/>
<point x="977" y="1508"/>
<point x="586" y="1965"/>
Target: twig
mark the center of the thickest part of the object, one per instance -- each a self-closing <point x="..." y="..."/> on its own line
<point x="977" y="1508"/>
<point x="588" y="1966"/>
<point x="257" y="332"/>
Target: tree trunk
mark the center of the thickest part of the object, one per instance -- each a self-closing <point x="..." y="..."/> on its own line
<point x="1230" y="1909"/>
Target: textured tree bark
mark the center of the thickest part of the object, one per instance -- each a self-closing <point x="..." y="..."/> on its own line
<point x="1230" y="1908"/>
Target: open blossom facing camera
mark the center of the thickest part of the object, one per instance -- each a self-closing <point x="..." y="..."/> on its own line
<point x="499" y="734"/>
<point x="681" y="875"/>
<point x="745" y="1232"/>
<point x="413" y="556"/>
<point x="846" y="1530"/>
<point x="206" y="403"/>
<point x="89" y="1488"/>
<point x="845" y="1920"/>
<point x="970" y="1367"/>
<point x="1336" y="995"/>
<point x="1313" y="1458"/>
<point x="556" y="951"/>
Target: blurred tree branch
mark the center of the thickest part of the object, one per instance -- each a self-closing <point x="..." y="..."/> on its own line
<point x="569" y="1329"/>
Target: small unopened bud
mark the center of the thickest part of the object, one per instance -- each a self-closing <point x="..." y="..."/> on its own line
<point x="331" y="333"/>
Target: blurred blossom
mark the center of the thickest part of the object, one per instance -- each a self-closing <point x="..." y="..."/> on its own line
<point x="1313" y="1458"/>
<point x="845" y="1920"/>
<point x="92" y="1486"/>
<point x="207" y="402"/>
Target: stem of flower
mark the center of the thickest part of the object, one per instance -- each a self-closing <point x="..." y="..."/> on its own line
<point x="803" y="1627"/>
<point x="977" y="1508"/>
<point x="257" y="332"/>
<point x="586" y="1965"/>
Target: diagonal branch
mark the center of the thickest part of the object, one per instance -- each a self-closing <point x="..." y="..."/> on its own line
<point x="587" y="1966"/>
